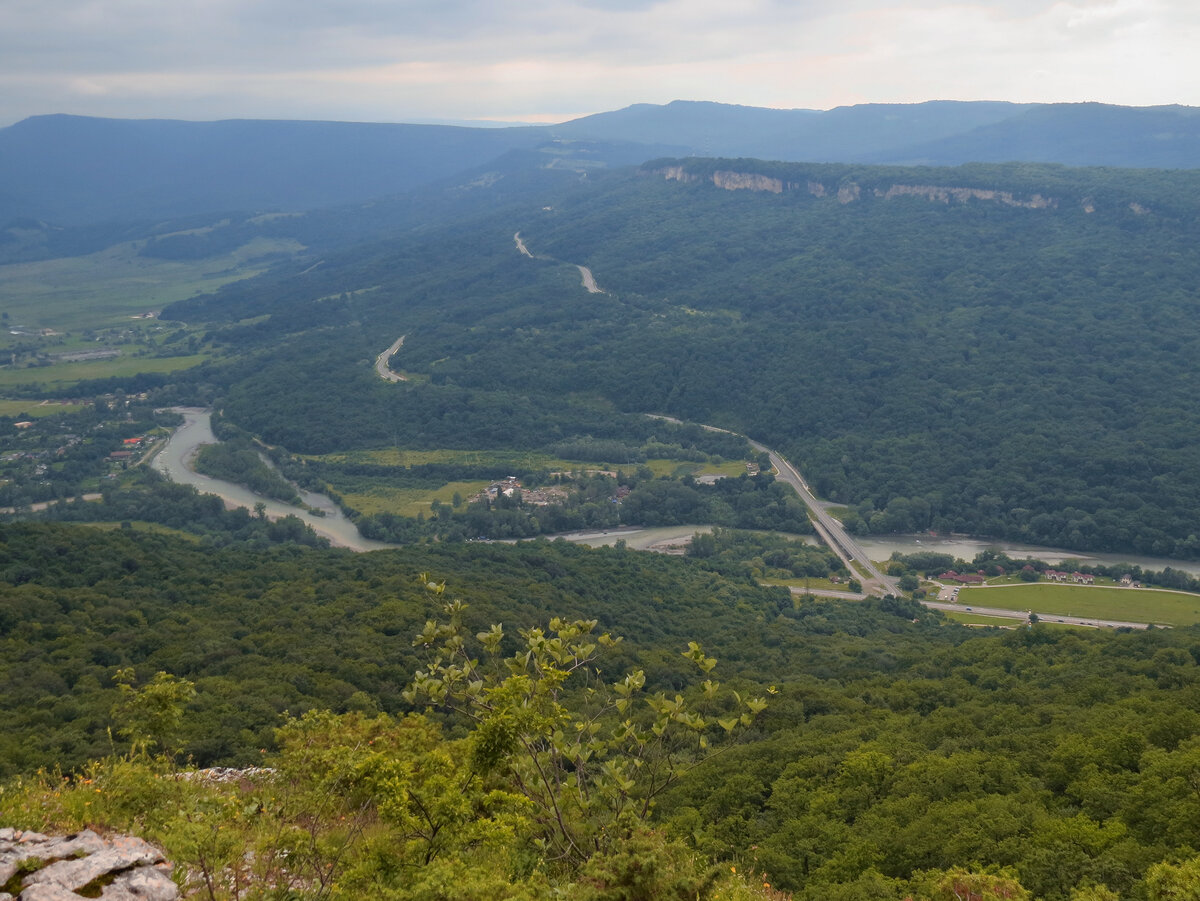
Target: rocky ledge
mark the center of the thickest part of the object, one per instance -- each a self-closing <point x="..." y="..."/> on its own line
<point x="35" y="867"/>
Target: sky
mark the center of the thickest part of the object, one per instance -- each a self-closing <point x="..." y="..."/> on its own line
<point x="554" y="60"/>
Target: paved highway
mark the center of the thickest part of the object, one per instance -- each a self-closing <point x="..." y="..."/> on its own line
<point x="830" y="529"/>
<point x="381" y="362"/>
<point x="836" y="537"/>
<point x="1043" y="617"/>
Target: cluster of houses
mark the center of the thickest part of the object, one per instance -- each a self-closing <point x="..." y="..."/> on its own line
<point x="1080" y="578"/>
<point x="1052" y="575"/>
<point x="538" y="497"/>
<point x="511" y="487"/>
<point x="978" y="578"/>
<point x="128" y="447"/>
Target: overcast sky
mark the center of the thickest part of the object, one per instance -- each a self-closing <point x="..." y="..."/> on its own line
<point x="552" y="60"/>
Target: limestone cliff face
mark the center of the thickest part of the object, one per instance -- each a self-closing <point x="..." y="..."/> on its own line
<point x="962" y="195"/>
<point x="747" y="181"/>
<point x="676" y="173"/>
<point x="849" y="192"/>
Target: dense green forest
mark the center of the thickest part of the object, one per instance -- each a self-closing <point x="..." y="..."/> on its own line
<point x="1012" y="362"/>
<point x="891" y="745"/>
<point x="1005" y="350"/>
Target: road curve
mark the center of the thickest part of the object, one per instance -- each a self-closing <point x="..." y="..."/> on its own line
<point x="585" y="274"/>
<point x="381" y="362"/>
<point x="589" y="280"/>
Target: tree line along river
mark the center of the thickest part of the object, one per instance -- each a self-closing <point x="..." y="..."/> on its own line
<point x="174" y="461"/>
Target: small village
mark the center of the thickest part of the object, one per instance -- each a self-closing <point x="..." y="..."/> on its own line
<point x="979" y="577"/>
<point x="546" y="496"/>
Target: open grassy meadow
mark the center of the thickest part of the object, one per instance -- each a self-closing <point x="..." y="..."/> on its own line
<point x="392" y="456"/>
<point x="1144" y="605"/>
<point x="104" y="289"/>
<point x="974" y="619"/>
<point x="518" y="460"/>
<point x="138" y="525"/>
<point x="379" y="495"/>
<point x="35" y="409"/>
<point x="372" y="496"/>
<point x="62" y="375"/>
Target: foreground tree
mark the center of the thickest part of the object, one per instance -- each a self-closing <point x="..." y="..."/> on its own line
<point x="589" y="768"/>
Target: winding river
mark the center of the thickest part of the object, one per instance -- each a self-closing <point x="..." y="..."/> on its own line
<point x="174" y="461"/>
<point x="881" y="547"/>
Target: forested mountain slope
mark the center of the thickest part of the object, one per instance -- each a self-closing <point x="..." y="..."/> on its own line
<point x="889" y="744"/>
<point x="932" y="133"/>
<point x="80" y="171"/>
<point x="1005" y="350"/>
<point x="75" y="170"/>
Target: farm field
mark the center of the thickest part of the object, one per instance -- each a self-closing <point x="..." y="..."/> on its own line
<point x="380" y="497"/>
<point x="62" y="375"/>
<point x="974" y="619"/>
<point x="372" y="495"/>
<point x="392" y="456"/>
<point x="138" y="525"/>
<point x="1175" y="608"/>
<point x="104" y="289"/>
<point x="35" y="409"/>
<point x="526" y="460"/>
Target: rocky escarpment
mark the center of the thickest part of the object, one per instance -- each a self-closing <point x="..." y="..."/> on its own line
<point x="849" y="192"/>
<point x="731" y="181"/>
<point x="962" y="195"/>
<point x="36" y="867"/>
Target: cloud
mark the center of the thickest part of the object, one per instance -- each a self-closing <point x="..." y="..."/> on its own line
<point x="394" y="59"/>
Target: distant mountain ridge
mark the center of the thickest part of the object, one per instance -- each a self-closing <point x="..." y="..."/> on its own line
<point x="73" y="170"/>
<point x="77" y="170"/>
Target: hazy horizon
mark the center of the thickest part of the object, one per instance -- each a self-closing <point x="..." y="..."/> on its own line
<point x="540" y="62"/>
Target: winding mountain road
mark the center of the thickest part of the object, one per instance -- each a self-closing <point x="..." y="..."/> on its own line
<point x="589" y="280"/>
<point x="585" y="274"/>
<point x="381" y="362"/>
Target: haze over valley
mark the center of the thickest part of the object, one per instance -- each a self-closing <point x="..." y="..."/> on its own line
<point x="374" y="493"/>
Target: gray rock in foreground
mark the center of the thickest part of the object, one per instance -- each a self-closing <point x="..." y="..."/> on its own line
<point x="127" y="868"/>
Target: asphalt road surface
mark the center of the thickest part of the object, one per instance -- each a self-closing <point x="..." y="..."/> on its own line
<point x="1042" y="617"/>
